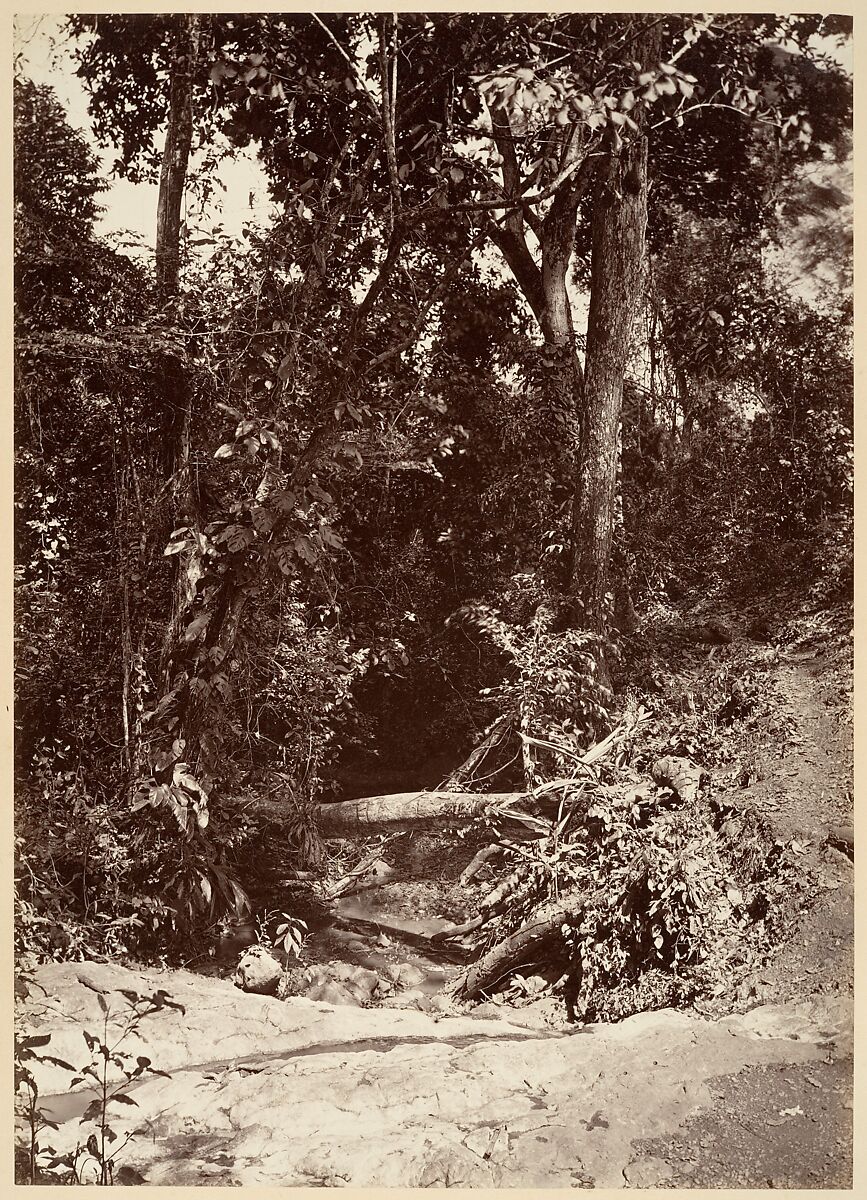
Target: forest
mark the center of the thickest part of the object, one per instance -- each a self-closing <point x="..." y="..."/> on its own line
<point x="470" y="504"/>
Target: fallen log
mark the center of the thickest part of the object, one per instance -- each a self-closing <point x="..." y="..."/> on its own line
<point x="472" y="869"/>
<point x="368" y="885"/>
<point x="342" y="885"/>
<point x="419" y="941"/>
<point x="517" y="950"/>
<point x="455" y="931"/>
<point x="415" y="810"/>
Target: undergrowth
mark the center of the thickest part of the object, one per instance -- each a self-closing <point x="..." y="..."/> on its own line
<point x="676" y="897"/>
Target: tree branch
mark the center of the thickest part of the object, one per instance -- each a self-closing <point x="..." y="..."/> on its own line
<point x="395" y="245"/>
<point x="388" y="104"/>
<point x="505" y="144"/>
<point x="433" y="299"/>
<point x="558" y="239"/>
<point x="522" y="265"/>
<point x="364" y="88"/>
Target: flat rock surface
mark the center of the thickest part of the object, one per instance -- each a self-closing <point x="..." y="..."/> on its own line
<point x="299" y="1093"/>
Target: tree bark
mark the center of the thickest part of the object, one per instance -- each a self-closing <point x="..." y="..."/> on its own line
<point x="617" y="255"/>
<point x="408" y="810"/>
<point x="519" y="949"/>
<point x="176" y="155"/>
<point x="177" y="399"/>
<point x="544" y="287"/>
<point x="619" y="218"/>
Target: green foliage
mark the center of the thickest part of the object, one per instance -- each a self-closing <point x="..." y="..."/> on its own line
<point x="64" y="278"/>
<point x="242" y="524"/>
<point x="740" y="455"/>
<point x="288" y="935"/>
<point x="668" y="895"/>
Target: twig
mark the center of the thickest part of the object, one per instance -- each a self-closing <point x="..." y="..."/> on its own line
<point x="351" y="65"/>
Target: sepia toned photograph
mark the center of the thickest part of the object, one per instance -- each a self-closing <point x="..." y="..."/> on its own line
<point x="433" y="600"/>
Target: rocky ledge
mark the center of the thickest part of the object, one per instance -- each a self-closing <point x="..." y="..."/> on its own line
<point x="298" y="1092"/>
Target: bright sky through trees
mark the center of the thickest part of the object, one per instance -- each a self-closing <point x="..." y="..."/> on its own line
<point x="42" y="47"/>
<point x="43" y="51"/>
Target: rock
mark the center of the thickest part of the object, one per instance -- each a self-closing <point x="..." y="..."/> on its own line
<point x="332" y="992"/>
<point x="336" y="983"/>
<point x="299" y="1094"/>
<point x="681" y="775"/>
<point x="380" y="869"/>
<point x="413" y="998"/>
<point x="410" y="976"/>
<point x="842" y="838"/>
<point x="647" y="1172"/>
<point x="349" y="973"/>
<point x="258" y="971"/>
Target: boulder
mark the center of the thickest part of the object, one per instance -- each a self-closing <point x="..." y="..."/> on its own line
<point x="409" y="976"/>
<point x="258" y="972"/>
<point x="332" y="992"/>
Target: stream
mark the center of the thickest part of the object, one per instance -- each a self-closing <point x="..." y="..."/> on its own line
<point x="65" y="1106"/>
<point x="383" y="924"/>
<point x="359" y="931"/>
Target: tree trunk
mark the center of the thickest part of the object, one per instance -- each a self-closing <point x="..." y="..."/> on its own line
<point x="173" y="177"/>
<point x="176" y="155"/>
<point x="176" y="429"/>
<point x="408" y="810"/>
<point x="619" y="217"/>
<point x="519" y="949"/>
<point x="617" y="257"/>
<point x="544" y="286"/>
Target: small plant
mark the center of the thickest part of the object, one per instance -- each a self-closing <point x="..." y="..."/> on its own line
<point x="94" y="1158"/>
<point x="27" y="1099"/>
<point x="290" y="935"/>
<point x="106" y="1054"/>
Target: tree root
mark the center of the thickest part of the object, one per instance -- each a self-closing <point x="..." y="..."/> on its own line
<point x="519" y="948"/>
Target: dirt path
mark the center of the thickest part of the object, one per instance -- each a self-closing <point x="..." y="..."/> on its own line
<point x="814" y="770"/>
<point x="787" y="1125"/>
<point x="780" y="1126"/>
<point x="804" y="789"/>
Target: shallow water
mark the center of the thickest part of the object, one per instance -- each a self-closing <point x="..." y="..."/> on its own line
<point x="359" y="933"/>
<point x="68" y="1105"/>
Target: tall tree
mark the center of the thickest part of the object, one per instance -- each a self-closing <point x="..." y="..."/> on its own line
<point x="429" y="138"/>
<point x="176" y="153"/>
<point x="617" y="262"/>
